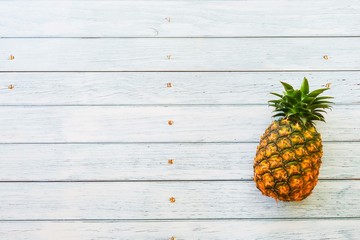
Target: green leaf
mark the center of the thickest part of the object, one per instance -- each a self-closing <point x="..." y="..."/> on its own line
<point x="322" y="102"/>
<point x="297" y="95"/>
<point x="308" y="99"/>
<point x="314" y="117"/>
<point x="276" y="94"/>
<point x="319" y="117"/>
<point x="279" y="115"/>
<point x="290" y="99"/>
<point x="302" y="109"/>
<point x="291" y="114"/>
<point x="286" y="104"/>
<point x="315" y="106"/>
<point x="323" y="97"/>
<point x="317" y="92"/>
<point x="301" y="104"/>
<point x="287" y="86"/>
<point x="274" y="105"/>
<point x="282" y="109"/>
<point x="305" y="86"/>
<point x="319" y="111"/>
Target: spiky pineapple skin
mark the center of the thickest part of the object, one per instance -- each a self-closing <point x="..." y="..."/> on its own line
<point x="288" y="159"/>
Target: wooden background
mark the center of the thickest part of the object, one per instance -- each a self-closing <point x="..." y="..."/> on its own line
<point x="85" y="104"/>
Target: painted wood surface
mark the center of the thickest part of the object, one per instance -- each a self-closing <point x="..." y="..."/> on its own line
<point x="38" y="124"/>
<point x="185" y="54"/>
<point x="150" y="88"/>
<point x="142" y="162"/>
<point x="179" y="18"/>
<point x="183" y="230"/>
<point x="85" y="141"/>
<point x="151" y="200"/>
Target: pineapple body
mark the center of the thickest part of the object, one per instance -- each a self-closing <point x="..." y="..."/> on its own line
<point x="288" y="159"/>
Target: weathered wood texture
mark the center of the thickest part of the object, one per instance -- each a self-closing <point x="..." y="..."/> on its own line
<point x="190" y="54"/>
<point x="150" y="200"/>
<point x="141" y="162"/>
<point x="36" y="124"/>
<point x="179" y="18"/>
<point x="183" y="230"/>
<point x="127" y="88"/>
<point x="85" y="139"/>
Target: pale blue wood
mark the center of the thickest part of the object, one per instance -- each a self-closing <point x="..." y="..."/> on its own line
<point x="180" y="54"/>
<point x="210" y="229"/>
<point x="150" y="88"/>
<point x="51" y="188"/>
<point x="142" y="162"/>
<point x="145" y="124"/>
<point x="151" y="200"/>
<point x="245" y="18"/>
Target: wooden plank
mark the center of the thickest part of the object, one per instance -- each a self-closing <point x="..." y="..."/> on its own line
<point x="150" y="200"/>
<point x="122" y="162"/>
<point x="179" y="18"/>
<point x="128" y="88"/>
<point x="36" y="124"/>
<point x="190" y="54"/>
<point x="246" y="229"/>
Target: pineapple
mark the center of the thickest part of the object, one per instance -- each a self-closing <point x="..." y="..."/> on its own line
<point x="288" y="157"/>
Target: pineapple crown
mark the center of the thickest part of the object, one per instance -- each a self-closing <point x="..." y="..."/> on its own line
<point x="300" y="103"/>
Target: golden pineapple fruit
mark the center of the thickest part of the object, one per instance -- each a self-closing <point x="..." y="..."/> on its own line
<point x="288" y="158"/>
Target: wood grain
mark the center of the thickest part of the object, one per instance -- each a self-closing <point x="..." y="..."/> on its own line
<point x="127" y="88"/>
<point x="190" y="54"/>
<point x="85" y="140"/>
<point x="179" y="18"/>
<point x="141" y="162"/>
<point x="34" y="124"/>
<point x="150" y="200"/>
<point x="235" y="229"/>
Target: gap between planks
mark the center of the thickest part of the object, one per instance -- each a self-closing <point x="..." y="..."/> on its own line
<point x="109" y="220"/>
<point x="160" y="180"/>
<point x="152" y="105"/>
<point x="191" y="37"/>
<point x="170" y="142"/>
<point x="186" y="71"/>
